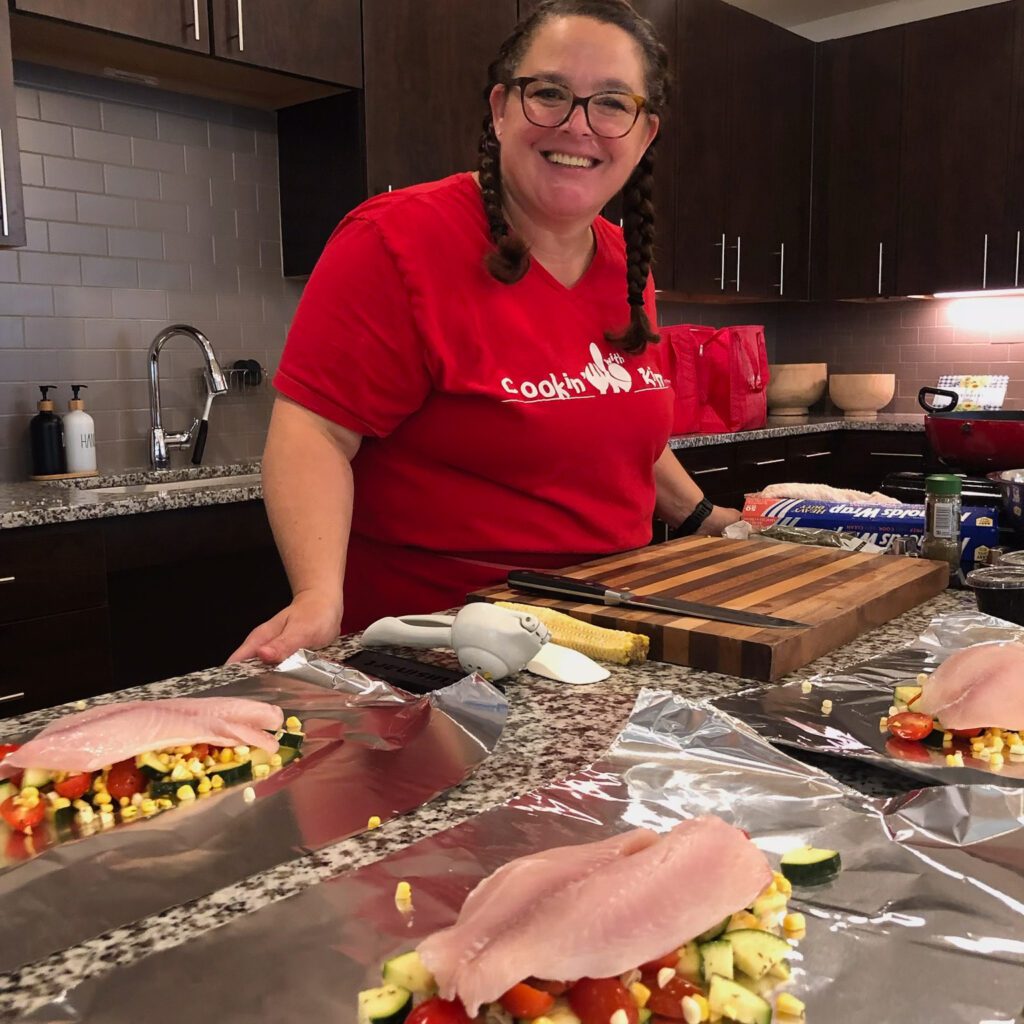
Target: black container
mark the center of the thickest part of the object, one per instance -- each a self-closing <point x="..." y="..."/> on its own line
<point x="46" y="433"/>
<point x="999" y="591"/>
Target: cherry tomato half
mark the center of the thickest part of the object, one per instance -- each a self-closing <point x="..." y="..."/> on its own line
<point x="439" y="1011"/>
<point x="594" y="1000"/>
<point x="525" y="1001"/>
<point x="911" y="725"/>
<point x="20" y="817"/>
<point x="5" y="749"/>
<point x="555" y="988"/>
<point x="668" y="960"/>
<point x="200" y="750"/>
<point x="667" y="1000"/>
<point x="125" y="779"/>
<point x="74" y="786"/>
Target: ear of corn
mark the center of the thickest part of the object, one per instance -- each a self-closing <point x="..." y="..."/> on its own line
<point x="614" y="645"/>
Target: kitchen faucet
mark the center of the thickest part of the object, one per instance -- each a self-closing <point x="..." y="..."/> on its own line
<point x="216" y="384"/>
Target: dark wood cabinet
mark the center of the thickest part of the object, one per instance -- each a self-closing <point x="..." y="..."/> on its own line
<point x="314" y="38"/>
<point x="12" y="208"/>
<point x="858" y="112"/>
<point x="1015" y="211"/>
<point x="744" y="102"/>
<point x="957" y="119"/>
<point x="866" y="457"/>
<point x="182" y="23"/>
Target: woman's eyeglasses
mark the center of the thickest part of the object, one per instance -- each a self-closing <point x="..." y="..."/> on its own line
<point x="548" y="105"/>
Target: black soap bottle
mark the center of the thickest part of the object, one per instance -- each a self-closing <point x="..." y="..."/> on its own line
<point x="47" y="434"/>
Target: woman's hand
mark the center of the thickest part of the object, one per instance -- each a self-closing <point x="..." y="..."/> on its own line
<point x="311" y="620"/>
<point x="717" y="521"/>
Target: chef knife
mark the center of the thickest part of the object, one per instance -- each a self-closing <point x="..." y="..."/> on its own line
<point x="594" y="592"/>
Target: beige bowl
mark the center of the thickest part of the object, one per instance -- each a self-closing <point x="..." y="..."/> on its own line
<point x="794" y="387"/>
<point x="861" y="395"/>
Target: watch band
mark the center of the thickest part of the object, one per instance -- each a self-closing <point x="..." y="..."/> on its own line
<point x="691" y="524"/>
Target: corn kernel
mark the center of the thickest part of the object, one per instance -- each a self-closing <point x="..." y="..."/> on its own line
<point x="183" y="749"/>
<point x="782" y="883"/>
<point x="806" y="686"/>
<point x="403" y="896"/>
<point x="619" y="1017"/>
<point x="123" y="801"/>
<point x="227" y="755"/>
<point x="185" y="793"/>
<point x="640" y="993"/>
<point x="742" y="919"/>
<point x="292" y="724"/>
<point x="148" y="806"/>
<point x="249" y="794"/>
<point x="955" y="760"/>
<point x="80" y="705"/>
<point x="165" y="758"/>
<point x="701" y="1001"/>
<point x="785" y="1003"/>
<point x="29" y="793"/>
<point x="205" y="786"/>
<point x="947" y="739"/>
<point x="995" y="762"/>
<point x="217" y="781"/>
<point x="260" y="771"/>
<point x="275" y="761"/>
<point x="164" y="803"/>
<point x="691" y="1010"/>
<point x="883" y="723"/>
<point x="102" y="798"/>
<point x="242" y="750"/>
<point x="665" y="975"/>
<point x="196" y="767"/>
<point x="794" y="923"/>
<point x="826" y="707"/>
<point x="129" y="812"/>
<point x="374" y="822"/>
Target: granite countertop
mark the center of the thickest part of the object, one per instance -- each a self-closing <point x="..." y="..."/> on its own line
<point x="552" y="730"/>
<point x="40" y="504"/>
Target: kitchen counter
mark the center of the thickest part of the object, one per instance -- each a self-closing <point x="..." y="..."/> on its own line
<point x="38" y="504"/>
<point x="552" y="730"/>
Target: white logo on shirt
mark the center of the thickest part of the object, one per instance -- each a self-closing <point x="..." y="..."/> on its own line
<point x="603" y="375"/>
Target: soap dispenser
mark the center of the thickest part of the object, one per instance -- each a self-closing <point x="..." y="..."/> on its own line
<point x="47" y="436"/>
<point x="79" y="435"/>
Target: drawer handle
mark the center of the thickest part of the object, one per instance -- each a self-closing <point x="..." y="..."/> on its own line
<point x="898" y="455"/>
<point x="11" y="696"/>
<point x="703" y="472"/>
<point x="769" y="462"/>
<point x="814" y="455"/>
<point x="6" y="579"/>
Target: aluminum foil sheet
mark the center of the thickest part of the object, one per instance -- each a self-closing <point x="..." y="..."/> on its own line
<point x="925" y="922"/>
<point x="369" y="750"/>
<point x="863" y="694"/>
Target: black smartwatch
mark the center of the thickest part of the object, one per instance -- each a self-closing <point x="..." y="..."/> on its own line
<point x="691" y="524"/>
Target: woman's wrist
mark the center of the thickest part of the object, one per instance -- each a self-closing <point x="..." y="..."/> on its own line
<point x="692" y="523"/>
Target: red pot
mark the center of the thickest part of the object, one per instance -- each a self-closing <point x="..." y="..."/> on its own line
<point x="982" y="441"/>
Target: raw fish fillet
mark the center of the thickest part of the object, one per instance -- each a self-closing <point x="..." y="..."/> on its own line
<point x="595" y="910"/>
<point x="101" y="736"/>
<point x="978" y="687"/>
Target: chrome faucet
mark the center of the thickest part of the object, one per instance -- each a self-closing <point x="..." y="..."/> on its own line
<point x="216" y="384"/>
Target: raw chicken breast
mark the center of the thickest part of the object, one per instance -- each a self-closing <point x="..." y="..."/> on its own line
<point x="979" y="687"/>
<point x="101" y="736"/>
<point x="595" y="910"/>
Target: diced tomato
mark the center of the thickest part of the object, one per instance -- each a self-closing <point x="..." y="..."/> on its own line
<point x="911" y="725"/>
<point x="525" y="1001"/>
<point x="125" y="779"/>
<point x="668" y="960"/>
<point x="5" y="749"/>
<point x="20" y="817"/>
<point x="21" y="847"/>
<point x="966" y="734"/>
<point x="439" y="1011"/>
<point x="200" y="750"/>
<point x="555" y="988"/>
<point x="667" y="1000"/>
<point x="594" y="1000"/>
<point x="74" y="786"/>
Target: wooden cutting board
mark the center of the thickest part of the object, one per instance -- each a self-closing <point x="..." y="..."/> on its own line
<point x="839" y="595"/>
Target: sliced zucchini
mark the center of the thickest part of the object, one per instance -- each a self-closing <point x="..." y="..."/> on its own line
<point x="64" y="820"/>
<point x="407" y="971"/>
<point x="766" y="906"/>
<point x="291" y="739"/>
<point x="232" y="772"/>
<point x="905" y="694"/>
<point x="643" y="1015"/>
<point x="713" y="933"/>
<point x="689" y="960"/>
<point x="288" y="754"/>
<point x="151" y="766"/>
<point x="389" y="1004"/>
<point x="170" y="787"/>
<point x="562" y="1013"/>
<point x="716" y="959"/>
<point x="934" y="738"/>
<point x="728" y="999"/>
<point x="810" y="866"/>
<point x="37" y="777"/>
<point x="756" y="952"/>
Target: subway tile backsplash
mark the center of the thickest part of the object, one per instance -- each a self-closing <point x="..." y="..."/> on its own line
<point x="144" y="208"/>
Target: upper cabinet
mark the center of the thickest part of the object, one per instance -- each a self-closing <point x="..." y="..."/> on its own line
<point x="316" y="38"/>
<point x="958" y="106"/>
<point x="743" y="137"/>
<point x="181" y="23"/>
<point x="12" y="211"/>
<point x="858" y="95"/>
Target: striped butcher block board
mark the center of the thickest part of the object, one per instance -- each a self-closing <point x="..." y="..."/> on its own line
<point x="839" y="595"/>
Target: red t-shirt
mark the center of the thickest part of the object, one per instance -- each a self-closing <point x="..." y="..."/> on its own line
<point x="499" y="426"/>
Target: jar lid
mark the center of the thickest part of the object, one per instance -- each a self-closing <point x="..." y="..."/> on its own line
<point x="997" y="577"/>
<point x="942" y="483"/>
<point x="1012" y="558"/>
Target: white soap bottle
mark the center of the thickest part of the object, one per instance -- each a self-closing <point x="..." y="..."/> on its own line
<point x="79" y="435"/>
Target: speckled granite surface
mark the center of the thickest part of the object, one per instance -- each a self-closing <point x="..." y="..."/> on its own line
<point x="552" y="730"/>
<point x="39" y="504"/>
<point x="793" y="426"/>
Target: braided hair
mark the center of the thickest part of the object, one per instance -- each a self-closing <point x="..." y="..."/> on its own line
<point x="509" y="260"/>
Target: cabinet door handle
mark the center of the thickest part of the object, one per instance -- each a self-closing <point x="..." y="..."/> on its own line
<point x="897" y="455"/>
<point x="984" y="266"/>
<point x="782" y="267"/>
<point x="11" y="696"/>
<point x="769" y="462"/>
<point x="241" y="28"/>
<point x="4" y="227"/>
<point x="739" y="254"/>
<point x="195" y="17"/>
<point x="721" y="278"/>
<point x="881" y="250"/>
<point x="6" y="579"/>
<point x="1016" y="269"/>
<point x="704" y="472"/>
<point x="814" y="455"/>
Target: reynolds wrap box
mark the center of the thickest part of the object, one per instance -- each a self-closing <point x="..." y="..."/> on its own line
<point x="979" y="527"/>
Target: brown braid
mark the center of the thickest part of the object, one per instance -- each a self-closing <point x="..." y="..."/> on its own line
<point x="510" y="259"/>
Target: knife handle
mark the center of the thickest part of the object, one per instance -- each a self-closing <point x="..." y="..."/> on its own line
<point x="559" y="586"/>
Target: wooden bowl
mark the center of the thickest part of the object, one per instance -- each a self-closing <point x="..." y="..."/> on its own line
<point x="861" y="395"/>
<point x="794" y="387"/>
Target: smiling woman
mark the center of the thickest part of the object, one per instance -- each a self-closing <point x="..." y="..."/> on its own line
<point x="472" y="382"/>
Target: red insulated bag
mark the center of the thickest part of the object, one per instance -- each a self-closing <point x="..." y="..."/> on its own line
<point x="686" y="342"/>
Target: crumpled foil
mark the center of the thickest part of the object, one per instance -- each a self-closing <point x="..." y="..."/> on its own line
<point x="370" y="749"/>
<point x="924" y="923"/>
<point x="863" y="694"/>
